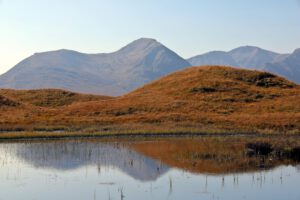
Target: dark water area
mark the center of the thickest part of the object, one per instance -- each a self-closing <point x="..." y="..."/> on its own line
<point x="94" y="169"/>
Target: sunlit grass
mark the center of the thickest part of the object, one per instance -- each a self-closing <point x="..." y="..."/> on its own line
<point x="195" y="100"/>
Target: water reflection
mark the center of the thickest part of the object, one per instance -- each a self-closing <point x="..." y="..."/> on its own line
<point x="135" y="170"/>
<point x="70" y="155"/>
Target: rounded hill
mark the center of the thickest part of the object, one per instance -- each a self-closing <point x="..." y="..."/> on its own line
<point x="212" y="97"/>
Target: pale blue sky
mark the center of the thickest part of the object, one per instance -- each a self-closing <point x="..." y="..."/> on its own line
<point x="189" y="27"/>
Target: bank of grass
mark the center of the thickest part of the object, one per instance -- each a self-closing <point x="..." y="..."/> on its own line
<point x="130" y="130"/>
<point x="57" y="133"/>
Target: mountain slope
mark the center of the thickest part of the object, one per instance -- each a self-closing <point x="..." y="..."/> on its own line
<point x="213" y="58"/>
<point x="48" y="97"/>
<point x="111" y="74"/>
<point x="289" y="67"/>
<point x="249" y="57"/>
<point x="253" y="57"/>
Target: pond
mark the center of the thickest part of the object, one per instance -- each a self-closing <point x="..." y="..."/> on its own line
<point x="140" y="169"/>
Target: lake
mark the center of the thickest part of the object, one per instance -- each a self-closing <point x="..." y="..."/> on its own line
<point x="140" y="169"/>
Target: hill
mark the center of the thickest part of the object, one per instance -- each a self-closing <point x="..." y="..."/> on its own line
<point x="197" y="99"/>
<point x="6" y="102"/>
<point x="48" y="97"/>
<point x="110" y="74"/>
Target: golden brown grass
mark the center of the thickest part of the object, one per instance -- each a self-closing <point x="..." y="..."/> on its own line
<point x="212" y="99"/>
<point x="49" y="97"/>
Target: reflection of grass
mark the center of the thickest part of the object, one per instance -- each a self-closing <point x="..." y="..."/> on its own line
<point x="215" y="154"/>
<point x="205" y="154"/>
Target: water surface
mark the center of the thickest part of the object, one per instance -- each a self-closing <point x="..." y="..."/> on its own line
<point x="115" y="170"/>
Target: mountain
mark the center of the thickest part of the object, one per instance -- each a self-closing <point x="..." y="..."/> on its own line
<point x="213" y="58"/>
<point x="253" y="57"/>
<point x="196" y="99"/>
<point x="248" y="57"/>
<point x="110" y="74"/>
<point x="289" y="67"/>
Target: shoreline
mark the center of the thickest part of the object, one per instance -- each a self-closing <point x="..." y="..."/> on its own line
<point x="32" y="136"/>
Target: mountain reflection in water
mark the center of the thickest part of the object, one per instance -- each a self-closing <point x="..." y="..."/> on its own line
<point x="61" y="155"/>
<point x="176" y="169"/>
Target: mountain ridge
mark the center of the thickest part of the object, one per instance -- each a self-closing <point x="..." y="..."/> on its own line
<point x="114" y="73"/>
<point x="131" y="66"/>
<point x="251" y="57"/>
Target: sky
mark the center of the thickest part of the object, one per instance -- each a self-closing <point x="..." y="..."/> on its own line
<point x="189" y="27"/>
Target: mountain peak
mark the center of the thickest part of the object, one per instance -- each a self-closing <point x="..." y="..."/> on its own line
<point x="246" y="49"/>
<point x="251" y="49"/>
<point x="141" y="44"/>
<point x="145" y="40"/>
<point x="115" y="73"/>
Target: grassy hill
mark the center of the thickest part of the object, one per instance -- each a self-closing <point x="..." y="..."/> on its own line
<point x="198" y="99"/>
<point x="49" y="97"/>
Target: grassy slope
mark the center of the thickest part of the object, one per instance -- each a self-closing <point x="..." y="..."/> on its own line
<point x="195" y="99"/>
<point x="49" y="97"/>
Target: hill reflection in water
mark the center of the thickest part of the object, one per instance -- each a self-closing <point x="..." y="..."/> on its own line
<point x="69" y="155"/>
<point x="173" y="168"/>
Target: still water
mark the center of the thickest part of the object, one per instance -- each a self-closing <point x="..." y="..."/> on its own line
<point x="83" y="170"/>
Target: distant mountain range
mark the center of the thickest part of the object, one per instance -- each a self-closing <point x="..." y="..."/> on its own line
<point x="249" y="57"/>
<point x="112" y="73"/>
<point x="132" y="66"/>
